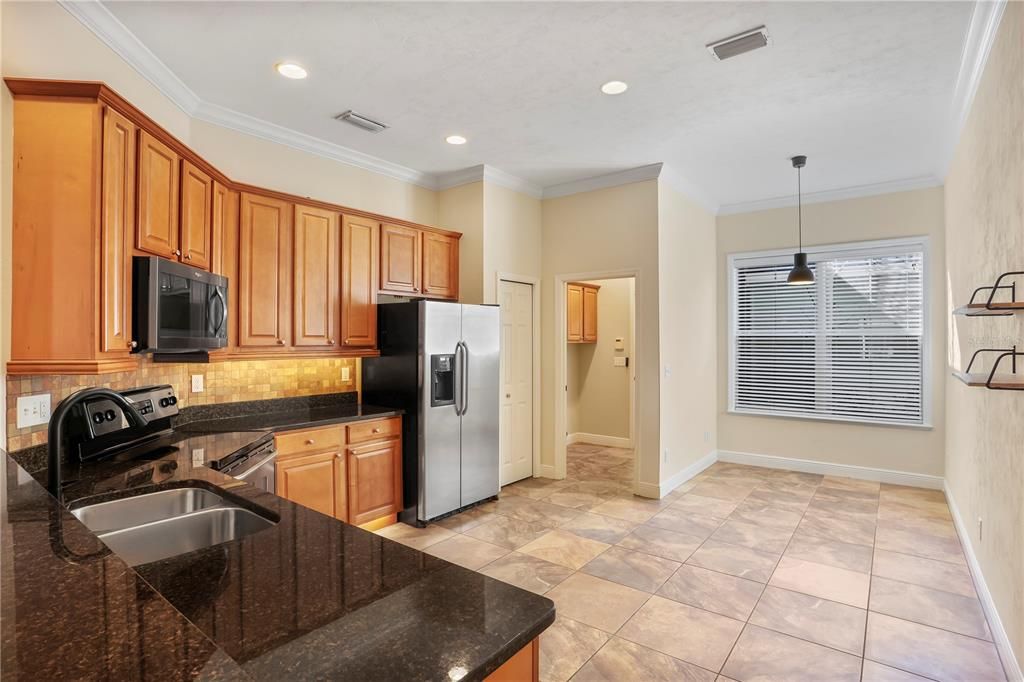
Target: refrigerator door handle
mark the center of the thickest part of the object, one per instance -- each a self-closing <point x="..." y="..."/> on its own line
<point x="465" y="377"/>
<point x="460" y="369"/>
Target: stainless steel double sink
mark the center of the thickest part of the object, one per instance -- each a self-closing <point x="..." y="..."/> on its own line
<point x="154" y="526"/>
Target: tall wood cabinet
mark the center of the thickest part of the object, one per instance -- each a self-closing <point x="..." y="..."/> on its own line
<point x="264" y="272"/>
<point x="316" y="281"/>
<point x="156" y="229"/>
<point x="581" y="312"/>
<point x="196" y="216"/>
<point x="359" y="250"/>
<point x="116" y="216"/>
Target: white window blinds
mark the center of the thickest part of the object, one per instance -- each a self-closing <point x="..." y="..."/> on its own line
<point x="849" y="347"/>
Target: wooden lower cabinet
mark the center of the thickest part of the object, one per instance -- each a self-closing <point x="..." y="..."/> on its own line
<point x="360" y="484"/>
<point x="524" y="666"/>
<point x="374" y="480"/>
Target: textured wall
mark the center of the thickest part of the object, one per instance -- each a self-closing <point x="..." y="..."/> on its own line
<point x="985" y="236"/>
<point x="225" y="382"/>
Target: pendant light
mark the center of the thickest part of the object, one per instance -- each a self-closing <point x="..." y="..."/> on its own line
<point x="800" y="274"/>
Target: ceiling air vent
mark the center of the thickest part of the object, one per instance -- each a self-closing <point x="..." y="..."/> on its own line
<point x="741" y="42"/>
<point x="361" y="121"/>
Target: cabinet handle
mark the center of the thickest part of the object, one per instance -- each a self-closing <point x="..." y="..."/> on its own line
<point x="415" y="288"/>
<point x="280" y="342"/>
<point x="310" y="441"/>
<point x="177" y="252"/>
<point x="330" y="342"/>
<point x="376" y="430"/>
<point x="133" y="344"/>
<point x="188" y="255"/>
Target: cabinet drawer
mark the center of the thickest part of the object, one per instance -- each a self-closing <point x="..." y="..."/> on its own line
<point x="374" y="430"/>
<point x="310" y="440"/>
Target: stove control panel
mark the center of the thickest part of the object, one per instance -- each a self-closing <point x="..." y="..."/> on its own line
<point x="151" y="402"/>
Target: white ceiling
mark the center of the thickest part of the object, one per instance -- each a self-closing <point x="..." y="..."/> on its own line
<point x="864" y="89"/>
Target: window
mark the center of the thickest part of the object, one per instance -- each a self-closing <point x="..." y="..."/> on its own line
<point x="850" y="347"/>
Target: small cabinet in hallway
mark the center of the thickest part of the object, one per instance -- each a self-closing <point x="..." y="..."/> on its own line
<point x="581" y="312"/>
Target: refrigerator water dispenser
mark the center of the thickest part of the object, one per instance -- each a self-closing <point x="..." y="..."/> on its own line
<point x="442" y="380"/>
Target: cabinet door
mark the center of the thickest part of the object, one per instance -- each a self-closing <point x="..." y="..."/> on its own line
<point x="359" y="260"/>
<point x="440" y="265"/>
<point x="196" y="216"/>
<point x="574" y="312"/>
<point x="374" y="481"/>
<point x="589" y="315"/>
<point x="116" y="231"/>
<point x="308" y="480"/>
<point x="264" y="272"/>
<point x="225" y="250"/>
<point x="156" y="230"/>
<point x="316" y="283"/>
<point x="399" y="259"/>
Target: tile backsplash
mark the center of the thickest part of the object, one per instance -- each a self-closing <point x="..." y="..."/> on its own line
<point x="225" y="382"/>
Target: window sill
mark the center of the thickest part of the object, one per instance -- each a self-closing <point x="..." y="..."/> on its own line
<point x="831" y="420"/>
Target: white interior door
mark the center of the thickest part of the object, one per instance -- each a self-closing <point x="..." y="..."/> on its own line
<point x="516" y="442"/>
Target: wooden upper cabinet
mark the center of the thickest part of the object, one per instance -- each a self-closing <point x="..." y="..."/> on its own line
<point x="359" y="258"/>
<point x="574" y="313"/>
<point x="590" y="314"/>
<point x="156" y="230"/>
<point x="117" y="213"/>
<point x="399" y="259"/>
<point x="196" y="216"/>
<point x="440" y="265"/>
<point x="264" y="272"/>
<point x="374" y="481"/>
<point x="581" y="312"/>
<point x="316" y="281"/>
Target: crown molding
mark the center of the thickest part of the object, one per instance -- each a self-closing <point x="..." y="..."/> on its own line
<point x="250" y="125"/>
<point x="623" y="177"/>
<point x="483" y="172"/>
<point x="856" y="192"/>
<point x="981" y="35"/>
<point x="464" y="176"/>
<point x="115" y="35"/>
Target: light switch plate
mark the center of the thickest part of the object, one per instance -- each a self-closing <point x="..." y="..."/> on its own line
<point x="619" y="361"/>
<point x="620" y="344"/>
<point x="197" y="383"/>
<point x="33" y="410"/>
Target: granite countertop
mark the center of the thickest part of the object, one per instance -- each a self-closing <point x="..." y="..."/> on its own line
<point x="311" y="597"/>
<point x="277" y="419"/>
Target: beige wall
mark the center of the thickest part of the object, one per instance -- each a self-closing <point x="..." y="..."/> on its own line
<point x="593" y="233"/>
<point x="984" y="237"/>
<point x="512" y="236"/>
<point x="462" y="209"/>
<point x="598" y="395"/>
<point x="902" y="214"/>
<point x="687" y="325"/>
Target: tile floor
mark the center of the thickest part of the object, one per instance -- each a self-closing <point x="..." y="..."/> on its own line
<point x="742" y="573"/>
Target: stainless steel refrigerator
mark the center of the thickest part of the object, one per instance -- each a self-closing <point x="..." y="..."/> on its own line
<point x="440" y="362"/>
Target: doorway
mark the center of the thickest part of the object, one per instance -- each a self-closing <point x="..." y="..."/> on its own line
<point x="519" y="346"/>
<point x="597" y="403"/>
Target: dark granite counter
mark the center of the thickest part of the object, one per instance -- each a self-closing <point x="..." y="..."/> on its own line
<point x="311" y="597"/>
<point x="295" y="418"/>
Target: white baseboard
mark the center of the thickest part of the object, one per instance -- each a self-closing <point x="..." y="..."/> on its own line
<point x="547" y="471"/>
<point x="684" y="475"/>
<point x="598" y="439"/>
<point x="1002" y="640"/>
<point x="830" y="469"/>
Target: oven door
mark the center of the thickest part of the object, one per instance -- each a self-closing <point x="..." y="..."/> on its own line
<point x="184" y="308"/>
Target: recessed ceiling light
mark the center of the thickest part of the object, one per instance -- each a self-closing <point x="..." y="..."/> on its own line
<point x="455" y="139"/>
<point x="614" y="88"/>
<point x="291" y="70"/>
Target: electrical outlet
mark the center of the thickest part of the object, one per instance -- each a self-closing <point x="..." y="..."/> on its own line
<point x="197" y="383"/>
<point x="664" y="457"/>
<point x="198" y="457"/>
<point x="668" y="371"/>
<point x="346" y="374"/>
<point x="707" y="436"/>
<point x="981" y="529"/>
<point x="619" y="361"/>
<point x="33" y="410"/>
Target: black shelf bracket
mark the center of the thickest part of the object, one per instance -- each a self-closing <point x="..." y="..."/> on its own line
<point x="991" y="382"/>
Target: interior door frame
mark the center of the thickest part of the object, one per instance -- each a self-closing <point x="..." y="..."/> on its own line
<point x="561" y="353"/>
<point x="535" y="284"/>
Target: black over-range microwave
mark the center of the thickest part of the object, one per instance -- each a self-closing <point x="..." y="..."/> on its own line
<point x="178" y="308"/>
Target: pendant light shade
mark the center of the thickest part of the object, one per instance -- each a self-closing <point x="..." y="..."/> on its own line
<point x="801" y="273"/>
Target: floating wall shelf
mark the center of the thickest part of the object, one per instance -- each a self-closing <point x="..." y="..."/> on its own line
<point x="992" y="379"/>
<point x="990" y="307"/>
